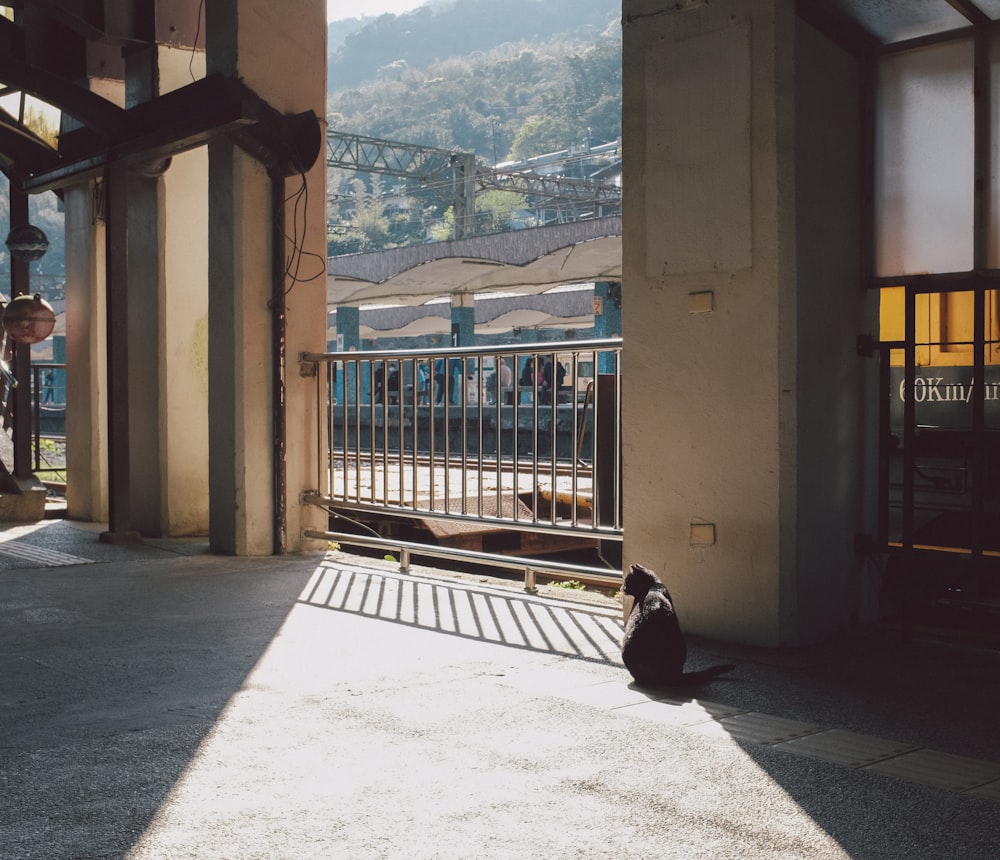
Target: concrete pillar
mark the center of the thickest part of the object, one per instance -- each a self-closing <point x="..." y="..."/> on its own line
<point x="183" y="339"/>
<point x="264" y="442"/>
<point x="741" y="405"/>
<point x="20" y="284"/>
<point x="167" y="308"/>
<point x="86" y="359"/>
<point x="240" y="353"/>
<point x="144" y="355"/>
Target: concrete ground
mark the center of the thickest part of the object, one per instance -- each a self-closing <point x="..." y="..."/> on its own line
<point x="161" y="702"/>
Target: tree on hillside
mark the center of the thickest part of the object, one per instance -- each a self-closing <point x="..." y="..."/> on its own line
<point x="496" y="211"/>
<point x="479" y="103"/>
<point x="432" y="33"/>
<point x="541" y="134"/>
<point x="596" y="86"/>
<point x="515" y="100"/>
<point x="369" y="222"/>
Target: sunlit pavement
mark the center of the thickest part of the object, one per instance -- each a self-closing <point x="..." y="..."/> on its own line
<point x="160" y="702"/>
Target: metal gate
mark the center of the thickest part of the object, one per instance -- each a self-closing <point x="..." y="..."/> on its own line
<point x="939" y="420"/>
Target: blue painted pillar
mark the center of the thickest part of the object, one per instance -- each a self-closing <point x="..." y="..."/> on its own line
<point x="59" y="375"/>
<point x="463" y="320"/>
<point x="607" y="319"/>
<point x="348" y="340"/>
<point x="463" y="333"/>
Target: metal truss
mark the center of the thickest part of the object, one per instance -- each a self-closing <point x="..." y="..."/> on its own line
<point x="456" y="175"/>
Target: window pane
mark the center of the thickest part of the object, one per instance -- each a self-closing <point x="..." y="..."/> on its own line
<point x="923" y="161"/>
<point x="11" y="103"/>
<point x="892" y="306"/>
<point x="43" y="119"/>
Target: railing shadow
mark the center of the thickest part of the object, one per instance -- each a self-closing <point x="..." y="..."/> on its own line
<point x="469" y="611"/>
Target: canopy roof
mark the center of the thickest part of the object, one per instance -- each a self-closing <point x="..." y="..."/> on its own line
<point x="530" y="261"/>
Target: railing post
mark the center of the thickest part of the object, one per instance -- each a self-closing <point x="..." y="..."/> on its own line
<point x="529" y="581"/>
<point x="607" y="494"/>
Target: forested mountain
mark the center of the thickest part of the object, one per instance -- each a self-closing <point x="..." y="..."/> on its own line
<point x="502" y="80"/>
<point x="441" y="29"/>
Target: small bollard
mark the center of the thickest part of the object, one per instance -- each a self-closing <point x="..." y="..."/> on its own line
<point x="529" y="581"/>
<point x="404" y="561"/>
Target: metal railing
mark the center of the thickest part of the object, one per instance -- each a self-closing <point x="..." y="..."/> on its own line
<point x="48" y="409"/>
<point x="449" y="437"/>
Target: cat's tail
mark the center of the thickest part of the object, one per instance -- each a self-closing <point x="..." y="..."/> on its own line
<point x="703" y="676"/>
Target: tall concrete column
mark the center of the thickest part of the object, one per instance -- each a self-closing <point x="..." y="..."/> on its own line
<point x="240" y="354"/>
<point x="158" y="469"/>
<point x="263" y="441"/>
<point x="741" y="406"/>
<point x="145" y="283"/>
<point x="86" y="359"/>
<point x="167" y="326"/>
<point x="183" y="338"/>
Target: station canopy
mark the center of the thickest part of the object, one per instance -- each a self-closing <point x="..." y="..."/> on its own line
<point x="526" y="261"/>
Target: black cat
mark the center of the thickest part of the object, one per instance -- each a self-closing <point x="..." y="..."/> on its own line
<point x="653" y="648"/>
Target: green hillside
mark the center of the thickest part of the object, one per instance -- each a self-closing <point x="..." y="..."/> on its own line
<point x="504" y="80"/>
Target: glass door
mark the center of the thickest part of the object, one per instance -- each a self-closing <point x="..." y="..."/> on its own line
<point x="940" y="419"/>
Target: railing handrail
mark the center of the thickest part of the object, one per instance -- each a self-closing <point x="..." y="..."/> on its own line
<point x="539" y="348"/>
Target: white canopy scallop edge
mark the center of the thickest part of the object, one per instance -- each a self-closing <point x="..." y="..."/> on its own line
<point x="528" y="261"/>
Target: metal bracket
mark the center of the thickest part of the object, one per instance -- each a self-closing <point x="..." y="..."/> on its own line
<point x="307" y="369"/>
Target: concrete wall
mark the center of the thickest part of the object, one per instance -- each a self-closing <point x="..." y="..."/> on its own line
<point x="727" y="493"/>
